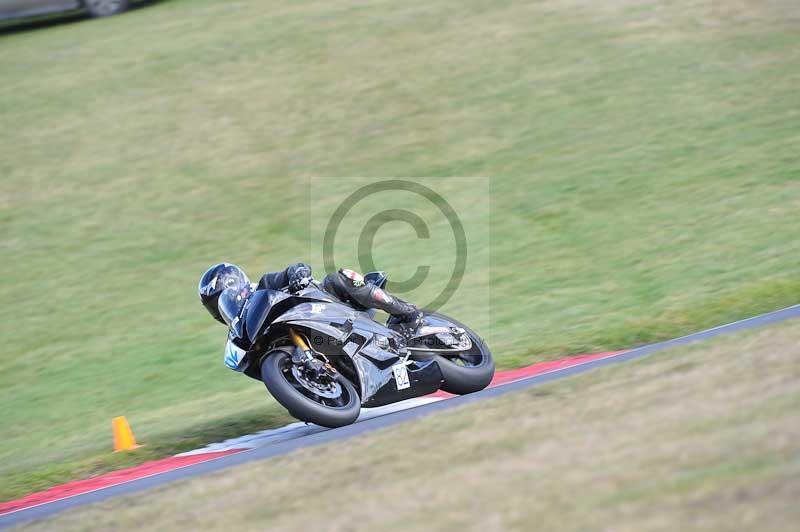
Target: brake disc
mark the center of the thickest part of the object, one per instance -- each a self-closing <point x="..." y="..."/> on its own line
<point x="331" y="390"/>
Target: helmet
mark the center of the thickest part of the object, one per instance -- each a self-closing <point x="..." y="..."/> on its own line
<point x="223" y="290"/>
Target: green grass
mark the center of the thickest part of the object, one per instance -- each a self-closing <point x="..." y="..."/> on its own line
<point x="642" y="160"/>
<point x="697" y="438"/>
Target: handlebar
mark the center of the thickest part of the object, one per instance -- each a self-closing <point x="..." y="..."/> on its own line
<point x="311" y="282"/>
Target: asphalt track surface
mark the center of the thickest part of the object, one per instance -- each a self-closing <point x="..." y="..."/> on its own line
<point x="327" y="436"/>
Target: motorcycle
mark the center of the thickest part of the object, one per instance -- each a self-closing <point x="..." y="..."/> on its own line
<point x="324" y="360"/>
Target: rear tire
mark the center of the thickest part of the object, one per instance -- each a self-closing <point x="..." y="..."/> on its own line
<point x="106" y="8"/>
<point x="276" y="378"/>
<point x="459" y="379"/>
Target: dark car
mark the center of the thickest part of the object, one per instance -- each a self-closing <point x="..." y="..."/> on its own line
<point x="21" y="9"/>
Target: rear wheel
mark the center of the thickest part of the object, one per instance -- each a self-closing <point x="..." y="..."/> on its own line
<point x="323" y="401"/>
<point x="465" y="371"/>
<point x="105" y="8"/>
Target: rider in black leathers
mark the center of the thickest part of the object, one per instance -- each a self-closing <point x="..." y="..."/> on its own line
<point x="346" y="285"/>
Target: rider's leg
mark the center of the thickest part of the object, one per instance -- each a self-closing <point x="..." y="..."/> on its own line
<point x="350" y="287"/>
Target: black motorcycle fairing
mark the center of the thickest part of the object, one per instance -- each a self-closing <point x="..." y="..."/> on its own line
<point x="378" y="385"/>
<point x="265" y="305"/>
<point x="321" y="336"/>
<point x="341" y="332"/>
<point x="257" y="309"/>
<point x="328" y="312"/>
<point x="312" y="292"/>
<point x="236" y="330"/>
<point x="321" y="311"/>
<point x="365" y="350"/>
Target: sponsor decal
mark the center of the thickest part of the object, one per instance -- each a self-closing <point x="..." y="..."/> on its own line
<point x="357" y="278"/>
<point x="234" y="356"/>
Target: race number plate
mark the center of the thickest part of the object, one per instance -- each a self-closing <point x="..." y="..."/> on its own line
<point x="401" y="376"/>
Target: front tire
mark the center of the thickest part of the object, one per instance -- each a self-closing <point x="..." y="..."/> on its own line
<point x="301" y="402"/>
<point x="106" y="8"/>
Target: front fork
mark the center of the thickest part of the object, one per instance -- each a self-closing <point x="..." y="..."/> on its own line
<point x="304" y="355"/>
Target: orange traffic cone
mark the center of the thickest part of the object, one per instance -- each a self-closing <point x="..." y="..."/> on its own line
<point x="123" y="435"/>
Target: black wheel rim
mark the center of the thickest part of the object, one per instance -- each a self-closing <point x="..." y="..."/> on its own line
<point x="470" y="358"/>
<point x="477" y="355"/>
<point x="318" y="392"/>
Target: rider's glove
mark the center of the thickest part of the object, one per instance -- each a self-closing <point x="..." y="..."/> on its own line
<point x="298" y="283"/>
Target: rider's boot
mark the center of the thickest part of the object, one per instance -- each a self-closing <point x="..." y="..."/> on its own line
<point x="407" y="324"/>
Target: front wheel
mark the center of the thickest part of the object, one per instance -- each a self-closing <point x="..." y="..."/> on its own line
<point x="330" y="403"/>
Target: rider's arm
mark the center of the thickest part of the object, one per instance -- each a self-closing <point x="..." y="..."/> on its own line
<point x="285" y="278"/>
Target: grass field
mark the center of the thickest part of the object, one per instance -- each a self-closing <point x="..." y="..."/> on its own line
<point x="700" y="438"/>
<point x="642" y="160"/>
